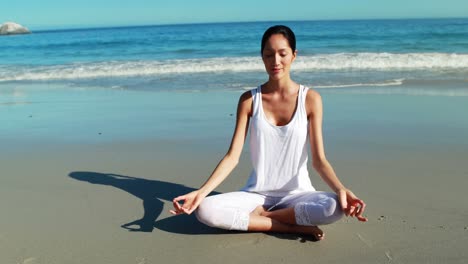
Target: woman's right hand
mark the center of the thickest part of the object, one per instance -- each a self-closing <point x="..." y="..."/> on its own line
<point x="190" y="202"/>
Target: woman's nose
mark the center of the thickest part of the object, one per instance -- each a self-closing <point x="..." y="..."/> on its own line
<point x="277" y="59"/>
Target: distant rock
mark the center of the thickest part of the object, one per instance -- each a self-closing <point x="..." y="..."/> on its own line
<point x="10" y="28"/>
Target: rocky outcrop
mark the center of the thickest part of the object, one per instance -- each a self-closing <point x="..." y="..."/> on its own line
<point x="10" y="28"/>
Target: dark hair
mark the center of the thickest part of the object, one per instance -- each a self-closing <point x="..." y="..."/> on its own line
<point x="279" y="29"/>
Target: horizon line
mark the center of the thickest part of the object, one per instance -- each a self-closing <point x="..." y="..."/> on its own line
<point x="84" y="27"/>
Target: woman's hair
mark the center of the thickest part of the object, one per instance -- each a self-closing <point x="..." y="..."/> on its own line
<point x="279" y="29"/>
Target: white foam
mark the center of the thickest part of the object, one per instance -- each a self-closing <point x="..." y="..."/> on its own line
<point x="336" y="62"/>
<point x="383" y="61"/>
<point x="415" y="92"/>
<point x="395" y="82"/>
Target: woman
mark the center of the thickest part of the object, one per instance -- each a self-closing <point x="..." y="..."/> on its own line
<point x="278" y="197"/>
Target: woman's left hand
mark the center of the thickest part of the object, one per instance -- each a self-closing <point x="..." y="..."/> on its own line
<point x="352" y="206"/>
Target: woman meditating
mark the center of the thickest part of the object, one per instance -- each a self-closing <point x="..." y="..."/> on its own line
<point x="285" y="119"/>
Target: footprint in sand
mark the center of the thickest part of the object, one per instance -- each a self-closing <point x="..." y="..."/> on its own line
<point x="382" y="217"/>
<point x="363" y="240"/>
<point x="233" y="244"/>
<point x="29" y="261"/>
<point x="141" y="260"/>
<point x="388" y="255"/>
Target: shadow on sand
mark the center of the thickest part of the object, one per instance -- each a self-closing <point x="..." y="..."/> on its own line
<point x="151" y="192"/>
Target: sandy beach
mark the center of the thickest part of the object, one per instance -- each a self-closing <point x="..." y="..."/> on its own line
<point x="87" y="176"/>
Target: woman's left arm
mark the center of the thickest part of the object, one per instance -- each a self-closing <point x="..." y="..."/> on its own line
<point x="351" y="204"/>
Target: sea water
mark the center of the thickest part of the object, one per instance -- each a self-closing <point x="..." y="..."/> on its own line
<point x="378" y="54"/>
<point x="397" y="81"/>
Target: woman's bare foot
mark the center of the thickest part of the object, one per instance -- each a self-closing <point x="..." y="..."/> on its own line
<point x="313" y="231"/>
<point x="316" y="232"/>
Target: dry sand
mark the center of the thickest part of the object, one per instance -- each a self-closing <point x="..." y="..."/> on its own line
<point x="108" y="203"/>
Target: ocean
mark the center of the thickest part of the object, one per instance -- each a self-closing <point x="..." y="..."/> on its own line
<point x="385" y="83"/>
<point x="359" y="56"/>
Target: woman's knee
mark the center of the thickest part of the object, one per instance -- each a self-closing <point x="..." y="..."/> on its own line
<point x="332" y="209"/>
<point x="205" y="213"/>
<point x="322" y="211"/>
<point x="211" y="214"/>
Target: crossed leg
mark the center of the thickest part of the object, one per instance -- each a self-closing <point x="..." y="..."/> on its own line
<point x="281" y="221"/>
<point x="299" y="214"/>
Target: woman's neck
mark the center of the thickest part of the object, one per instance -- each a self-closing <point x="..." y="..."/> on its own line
<point x="284" y="85"/>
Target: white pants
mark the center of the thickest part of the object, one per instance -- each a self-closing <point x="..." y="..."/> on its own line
<point x="231" y="210"/>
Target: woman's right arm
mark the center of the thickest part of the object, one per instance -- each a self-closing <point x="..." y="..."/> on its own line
<point x="192" y="200"/>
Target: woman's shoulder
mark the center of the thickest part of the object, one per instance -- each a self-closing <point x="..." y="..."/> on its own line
<point x="313" y="101"/>
<point x="245" y="102"/>
<point x="312" y="95"/>
<point x="247" y="95"/>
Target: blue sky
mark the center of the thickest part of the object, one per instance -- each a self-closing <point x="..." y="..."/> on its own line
<point x="90" y="13"/>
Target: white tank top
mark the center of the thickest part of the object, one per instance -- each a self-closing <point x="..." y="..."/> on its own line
<point x="279" y="153"/>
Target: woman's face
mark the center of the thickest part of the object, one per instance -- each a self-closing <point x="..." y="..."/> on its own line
<point x="278" y="56"/>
